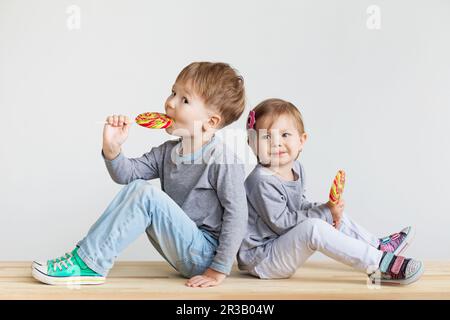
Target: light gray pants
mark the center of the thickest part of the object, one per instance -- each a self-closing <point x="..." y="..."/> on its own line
<point x="351" y="245"/>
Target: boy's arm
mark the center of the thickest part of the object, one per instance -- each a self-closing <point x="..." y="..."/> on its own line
<point x="124" y="170"/>
<point x="231" y="193"/>
<point x="270" y="202"/>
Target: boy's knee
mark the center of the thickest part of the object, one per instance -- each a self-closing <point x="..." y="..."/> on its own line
<point x="149" y="191"/>
<point x="143" y="188"/>
<point x="137" y="183"/>
<point x="140" y="184"/>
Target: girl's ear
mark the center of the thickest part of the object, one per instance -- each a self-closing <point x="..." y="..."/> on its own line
<point x="252" y="140"/>
<point x="303" y="138"/>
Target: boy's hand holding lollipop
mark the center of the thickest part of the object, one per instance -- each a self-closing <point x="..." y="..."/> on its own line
<point x="115" y="131"/>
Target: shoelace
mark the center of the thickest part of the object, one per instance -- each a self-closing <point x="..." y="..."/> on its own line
<point x="62" y="261"/>
<point x="64" y="257"/>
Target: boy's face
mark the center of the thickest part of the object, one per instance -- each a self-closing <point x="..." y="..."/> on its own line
<point x="279" y="143"/>
<point x="187" y="110"/>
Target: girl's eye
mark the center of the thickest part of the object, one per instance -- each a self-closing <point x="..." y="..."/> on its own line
<point x="265" y="136"/>
<point x="174" y="93"/>
<point x="185" y="100"/>
<point x="286" y="134"/>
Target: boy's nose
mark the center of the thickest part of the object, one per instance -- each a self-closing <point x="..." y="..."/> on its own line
<point x="170" y="105"/>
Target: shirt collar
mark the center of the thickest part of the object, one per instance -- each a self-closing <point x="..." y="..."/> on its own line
<point x="197" y="154"/>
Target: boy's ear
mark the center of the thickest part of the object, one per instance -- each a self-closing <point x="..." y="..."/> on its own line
<point x="213" y="122"/>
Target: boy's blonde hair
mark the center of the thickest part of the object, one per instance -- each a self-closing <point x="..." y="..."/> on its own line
<point x="220" y="87"/>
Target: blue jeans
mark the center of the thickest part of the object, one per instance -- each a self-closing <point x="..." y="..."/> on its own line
<point x="140" y="207"/>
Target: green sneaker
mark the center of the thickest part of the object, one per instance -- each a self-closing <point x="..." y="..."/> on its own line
<point x="66" y="270"/>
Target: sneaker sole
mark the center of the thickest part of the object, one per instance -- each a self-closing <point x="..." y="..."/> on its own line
<point x="38" y="275"/>
<point x="405" y="244"/>
<point x="410" y="280"/>
<point x="39" y="263"/>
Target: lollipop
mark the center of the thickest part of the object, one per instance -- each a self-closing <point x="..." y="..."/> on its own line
<point x="154" y="120"/>
<point x="337" y="187"/>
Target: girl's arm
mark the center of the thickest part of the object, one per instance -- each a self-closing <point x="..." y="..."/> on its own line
<point x="270" y="202"/>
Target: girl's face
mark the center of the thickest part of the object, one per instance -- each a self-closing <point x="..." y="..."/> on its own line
<point x="279" y="143"/>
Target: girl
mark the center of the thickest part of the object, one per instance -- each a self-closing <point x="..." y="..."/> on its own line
<point x="284" y="229"/>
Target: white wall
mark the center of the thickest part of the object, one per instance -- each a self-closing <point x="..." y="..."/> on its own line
<point x="375" y="102"/>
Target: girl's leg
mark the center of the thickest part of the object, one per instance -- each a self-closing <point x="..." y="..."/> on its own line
<point x="293" y="248"/>
<point x="139" y="207"/>
<point x="395" y="243"/>
<point x="354" y="230"/>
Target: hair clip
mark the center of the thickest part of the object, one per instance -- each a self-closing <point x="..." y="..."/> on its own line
<point x="251" y="120"/>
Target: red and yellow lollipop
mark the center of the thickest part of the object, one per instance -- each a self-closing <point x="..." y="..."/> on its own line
<point x="154" y="120"/>
<point x="337" y="188"/>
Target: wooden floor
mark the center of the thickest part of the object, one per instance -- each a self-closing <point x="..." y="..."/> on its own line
<point x="156" y="280"/>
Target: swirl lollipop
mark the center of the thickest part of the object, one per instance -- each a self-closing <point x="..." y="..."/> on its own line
<point x="154" y="120"/>
<point x="337" y="188"/>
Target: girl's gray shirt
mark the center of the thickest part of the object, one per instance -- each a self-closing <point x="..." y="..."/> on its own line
<point x="275" y="206"/>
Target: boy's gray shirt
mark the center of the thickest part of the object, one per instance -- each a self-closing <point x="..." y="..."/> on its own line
<point x="208" y="185"/>
<point x="275" y="206"/>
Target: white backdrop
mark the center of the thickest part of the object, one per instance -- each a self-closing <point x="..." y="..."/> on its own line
<point x="371" y="78"/>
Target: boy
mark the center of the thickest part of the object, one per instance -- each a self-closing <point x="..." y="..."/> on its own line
<point x="198" y="220"/>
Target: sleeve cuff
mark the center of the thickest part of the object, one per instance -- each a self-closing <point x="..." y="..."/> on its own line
<point x="220" y="268"/>
<point x="327" y="212"/>
<point x="113" y="160"/>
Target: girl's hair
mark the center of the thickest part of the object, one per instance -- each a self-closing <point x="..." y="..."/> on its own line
<point x="274" y="108"/>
